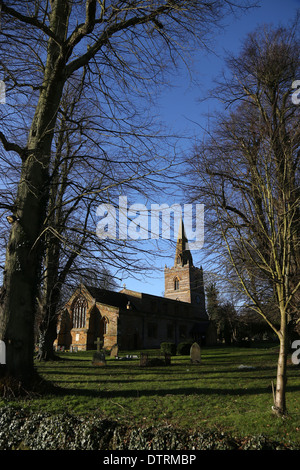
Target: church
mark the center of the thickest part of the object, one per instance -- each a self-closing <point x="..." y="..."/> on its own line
<point x="134" y="320"/>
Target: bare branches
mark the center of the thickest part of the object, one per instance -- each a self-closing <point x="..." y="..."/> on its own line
<point x="28" y="20"/>
<point x="84" y="28"/>
<point x="12" y="146"/>
<point x="249" y="171"/>
<point x="108" y="32"/>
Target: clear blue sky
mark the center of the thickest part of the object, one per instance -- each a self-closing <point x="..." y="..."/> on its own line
<point x="181" y="109"/>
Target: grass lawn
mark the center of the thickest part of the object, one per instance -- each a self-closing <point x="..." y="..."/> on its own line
<point x="214" y="395"/>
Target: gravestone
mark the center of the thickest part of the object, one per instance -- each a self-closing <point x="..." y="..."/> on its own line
<point x="144" y="360"/>
<point x="99" y="359"/>
<point x="154" y="360"/>
<point x="99" y="356"/>
<point x="195" y="353"/>
<point x="114" y="351"/>
<point x="99" y="344"/>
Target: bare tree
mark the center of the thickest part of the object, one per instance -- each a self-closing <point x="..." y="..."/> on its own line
<point x="124" y="47"/>
<point x="248" y="173"/>
<point x="79" y="181"/>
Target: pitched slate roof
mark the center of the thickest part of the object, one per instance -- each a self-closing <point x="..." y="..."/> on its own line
<point x="136" y="300"/>
<point x="115" y="299"/>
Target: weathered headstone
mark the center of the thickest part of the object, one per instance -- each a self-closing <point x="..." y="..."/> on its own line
<point x="195" y="353"/>
<point x="144" y="360"/>
<point x="99" y="359"/>
<point x="114" y="351"/>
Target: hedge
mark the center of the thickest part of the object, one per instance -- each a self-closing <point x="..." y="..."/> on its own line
<point x="168" y="348"/>
<point x="183" y="349"/>
<point x="24" y="430"/>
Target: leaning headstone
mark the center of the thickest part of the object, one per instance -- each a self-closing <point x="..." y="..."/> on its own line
<point x="195" y="353"/>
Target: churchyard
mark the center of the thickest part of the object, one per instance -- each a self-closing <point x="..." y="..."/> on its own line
<point x="229" y="390"/>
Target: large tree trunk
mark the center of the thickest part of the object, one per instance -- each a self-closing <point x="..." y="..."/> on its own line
<point x="22" y="273"/>
<point x="23" y="264"/>
<point x="48" y="332"/>
<point x="25" y="246"/>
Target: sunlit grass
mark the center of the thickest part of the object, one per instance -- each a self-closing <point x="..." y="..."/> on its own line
<point x="217" y="394"/>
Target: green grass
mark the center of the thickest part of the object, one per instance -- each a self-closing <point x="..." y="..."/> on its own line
<point x="215" y="395"/>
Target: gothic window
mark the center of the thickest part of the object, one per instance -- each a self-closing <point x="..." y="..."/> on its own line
<point x="176" y="283"/>
<point x="104" y="325"/>
<point x="79" y="313"/>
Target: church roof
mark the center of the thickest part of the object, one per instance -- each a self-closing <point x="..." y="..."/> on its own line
<point x="107" y="297"/>
<point x="123" y="299"/>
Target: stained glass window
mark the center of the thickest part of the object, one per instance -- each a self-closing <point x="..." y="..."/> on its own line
<point x="79" y="313"/>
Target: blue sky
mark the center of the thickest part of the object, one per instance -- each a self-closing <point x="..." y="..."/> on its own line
<point x="180" y="106"/>
<point x="181" y="110"/>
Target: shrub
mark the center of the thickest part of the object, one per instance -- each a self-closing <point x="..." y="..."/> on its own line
<point x="183" y="349"/>
<point x="168" y="348"/>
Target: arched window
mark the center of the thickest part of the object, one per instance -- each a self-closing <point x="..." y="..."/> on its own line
<point x="176" y="283"/>
<point x="103" y="326"/>
<point x="79" y="313"/>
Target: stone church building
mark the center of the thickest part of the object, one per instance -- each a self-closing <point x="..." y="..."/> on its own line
<point x="134" y="320"/>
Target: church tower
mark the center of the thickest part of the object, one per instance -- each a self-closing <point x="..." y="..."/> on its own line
<point x="184" y="281"/>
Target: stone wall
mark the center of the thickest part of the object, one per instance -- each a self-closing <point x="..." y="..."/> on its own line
<point x="182" y="273"/>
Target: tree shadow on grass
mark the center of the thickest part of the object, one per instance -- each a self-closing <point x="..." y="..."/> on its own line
<point x="167" y="373"/>
<point x="184" y="391"/>
<point x="130" y="374"/>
